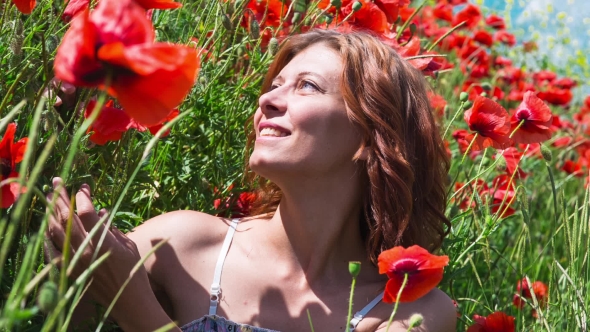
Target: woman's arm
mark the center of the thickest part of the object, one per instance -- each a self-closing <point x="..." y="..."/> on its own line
<point x="137" y="309"/>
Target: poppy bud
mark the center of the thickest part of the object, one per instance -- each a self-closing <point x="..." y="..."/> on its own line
<point x="336" y="3"/>
<point x="468" y="104"/>
<point x="254" y="28"/>
<point x="47" y="298"/>
<point x="354" y="268"/>
<point x="356" y="6"/>
<point x="416" y="321"/>
<point x="547" y="155"/>
<point x="226" y="22"/>
<point x="296" y="17"/>
<point x="46" y="188"/>
<point x="273" y="46"/>
<point x="328" y="19"/>
<point x="486" y="86"/>
<point x="413" y="29"/>
<point x="463" y="96"/>
<point x="230" y="9"/>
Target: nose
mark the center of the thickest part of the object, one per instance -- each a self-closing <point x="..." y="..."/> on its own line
<point x="273" y="101"/>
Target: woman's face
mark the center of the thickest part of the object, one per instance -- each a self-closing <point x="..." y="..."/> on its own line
<point x="301" y="124"/>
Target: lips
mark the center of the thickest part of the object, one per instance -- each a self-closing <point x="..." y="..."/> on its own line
<point x="269" y="129"/>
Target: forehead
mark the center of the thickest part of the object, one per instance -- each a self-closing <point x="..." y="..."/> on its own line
<point x="318" y="59"/>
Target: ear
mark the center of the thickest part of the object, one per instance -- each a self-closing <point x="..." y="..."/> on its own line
<point x="362" y="153"/>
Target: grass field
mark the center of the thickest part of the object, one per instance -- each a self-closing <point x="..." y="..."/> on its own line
<point x="520" y="215"/>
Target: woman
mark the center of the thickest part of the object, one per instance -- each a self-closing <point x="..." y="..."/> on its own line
<point x="349" y="162"/>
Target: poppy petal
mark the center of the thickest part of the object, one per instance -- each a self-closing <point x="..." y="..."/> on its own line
<point x="75" y="61"/>
<point x="149" y="98"/>
<point x="122" y="21"/>
<point x="25" y="6"/>
<point x="18" y="150"/>
<point x="7" y="141"/>
<point x="158" y="4"/>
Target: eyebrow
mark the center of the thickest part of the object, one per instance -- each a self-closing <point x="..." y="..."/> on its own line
<point x="303" y="73"/>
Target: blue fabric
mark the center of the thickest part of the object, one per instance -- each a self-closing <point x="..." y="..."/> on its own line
<point x="214" y="323"/>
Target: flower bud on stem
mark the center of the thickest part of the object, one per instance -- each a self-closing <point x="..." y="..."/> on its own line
<point x="354" y="267"/>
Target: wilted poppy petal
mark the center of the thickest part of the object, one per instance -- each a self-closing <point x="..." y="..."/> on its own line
<point x="149" y="98"/>
<point x="25" y="6"/>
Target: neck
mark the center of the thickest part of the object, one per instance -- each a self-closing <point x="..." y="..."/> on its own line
<point x="316" y="226"/>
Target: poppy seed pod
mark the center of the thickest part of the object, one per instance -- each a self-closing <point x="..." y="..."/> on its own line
<point x="254" y="28"/>
<point x="356" y="6"/>
<point x="273" y="46"/>
<point x="416" y="320"/>
<point x="463" y="96"/>
<point x="226" y="22"/>
<point x="336" y="3"/>
<point x="547" y="155"/>
<point x="296" y="17"/>
<point x="354" y="267"/>
<point x="47" y="297"/>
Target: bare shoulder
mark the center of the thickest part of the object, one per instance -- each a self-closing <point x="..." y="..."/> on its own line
<point x="184" y="231"/>
<point x="436" y="307"/>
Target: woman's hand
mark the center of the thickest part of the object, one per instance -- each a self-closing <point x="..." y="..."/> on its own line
<point x="108" y="278"/>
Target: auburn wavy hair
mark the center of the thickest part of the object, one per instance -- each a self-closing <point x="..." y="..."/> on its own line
<point x="406" y="170"/>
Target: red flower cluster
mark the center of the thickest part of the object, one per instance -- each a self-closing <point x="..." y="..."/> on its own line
<point x="529" y="123"/>
<point x="148" y="79"/>
<point x="524" y="290"/>
<point x="11" y="153"/>
<point x="500" y="195"/>
<point x="494" y="322"/>
<point x="424" y="270"/>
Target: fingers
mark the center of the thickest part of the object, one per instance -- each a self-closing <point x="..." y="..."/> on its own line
<point x="85" y="208"/>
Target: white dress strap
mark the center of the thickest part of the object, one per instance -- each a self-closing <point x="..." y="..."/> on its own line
<point x="215" y="292"/>
<point x="359" y="315"/>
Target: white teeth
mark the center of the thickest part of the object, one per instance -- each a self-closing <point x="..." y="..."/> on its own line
<point x="272" y="132"/>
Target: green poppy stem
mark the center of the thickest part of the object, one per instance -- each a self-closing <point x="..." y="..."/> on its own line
<point x="399" y="295"/>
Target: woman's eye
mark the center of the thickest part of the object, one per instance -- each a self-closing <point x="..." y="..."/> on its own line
<point x="308" y="85"/>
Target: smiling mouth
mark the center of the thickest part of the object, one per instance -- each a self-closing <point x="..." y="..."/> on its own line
<point x="271" y="132"/>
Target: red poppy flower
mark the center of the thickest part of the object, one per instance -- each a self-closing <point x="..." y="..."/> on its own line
<point x="443" y="11"/>
<point x="544" y="75"/>
<point x="11" y="153"/>
<point x="370" y="16"/>
<point x="503" y="195"/>
<point x="512" y="157"/>
<point x="505" y="37"/>
<point x="74" y="7"/>
<point x="495" y="322"/>
<point x="483" y="37"/>
<point x="148" y="79"/>
<point x="536" y="120"/>
<point x="523" y="289"/>
<point x="424" y="270"/>
<point x="572" y="167"/>
<point x="471" y="14"/>
<point x="236" y="207"/>
<point x="556" y="96"/>
<point x="24" y="6"/>
<point x="391" y="8"/>
<point x="110" y="124"/>
<point x="495" y="22"/>
<point x="154" y="129"/>
<point x="438" y="103"/>
<point x="564" y="83"/>
<point x="501" y="61"/>
<point x="490" y="121"/>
